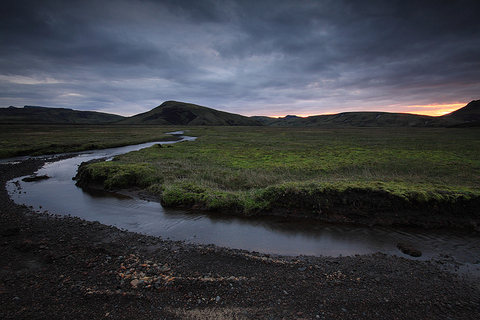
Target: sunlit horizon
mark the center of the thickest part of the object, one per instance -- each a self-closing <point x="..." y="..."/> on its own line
<point x="433" y="110"/>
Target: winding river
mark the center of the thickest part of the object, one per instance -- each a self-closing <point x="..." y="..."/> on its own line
<point x="274" y="235"/>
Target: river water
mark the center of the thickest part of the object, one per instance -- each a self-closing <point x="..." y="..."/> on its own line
<point x="274" y="235"/>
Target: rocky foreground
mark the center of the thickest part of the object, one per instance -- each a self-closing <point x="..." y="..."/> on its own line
<point x="64" y="267"/>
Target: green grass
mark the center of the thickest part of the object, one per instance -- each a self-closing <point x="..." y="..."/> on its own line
<point x="21" y="140"/>
<point x="260" y="169"/>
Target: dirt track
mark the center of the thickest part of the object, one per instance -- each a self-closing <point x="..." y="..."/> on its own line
<point x="56" y="267"/>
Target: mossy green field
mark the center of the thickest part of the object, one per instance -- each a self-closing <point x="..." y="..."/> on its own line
<point x="34" y="140"/>
<point x="250" y="170"/>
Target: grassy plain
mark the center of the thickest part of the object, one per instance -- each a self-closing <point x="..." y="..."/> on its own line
<point x="21" y="140"/>
<point x="260" y="169"/>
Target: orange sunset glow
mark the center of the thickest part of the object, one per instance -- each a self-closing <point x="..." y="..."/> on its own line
<point x="434" y="110"/>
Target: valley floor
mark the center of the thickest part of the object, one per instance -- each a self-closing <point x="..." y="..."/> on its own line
<point x="57" y="267"/>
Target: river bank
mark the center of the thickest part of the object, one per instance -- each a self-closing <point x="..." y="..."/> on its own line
<point x="56" y="267"/>
<point x="360" y="205"/>
<point x="394" y="177"/>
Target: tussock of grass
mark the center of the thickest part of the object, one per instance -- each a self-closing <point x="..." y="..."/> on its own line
<point x="253" y="170"/>
<point x="112" y="175"/>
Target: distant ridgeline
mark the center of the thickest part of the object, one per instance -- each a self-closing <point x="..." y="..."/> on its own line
<point x="43" y="115"/>
<point x="468" y="116"/>
<point x="181" y="113"/>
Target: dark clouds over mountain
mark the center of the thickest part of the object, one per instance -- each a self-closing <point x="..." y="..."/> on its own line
<point x="248" y="57"/>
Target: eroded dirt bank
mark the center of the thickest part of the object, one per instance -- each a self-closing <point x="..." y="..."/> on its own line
<point x="56" y="267"/>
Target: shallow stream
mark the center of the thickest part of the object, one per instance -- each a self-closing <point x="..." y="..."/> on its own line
<point x="457" y="249"/>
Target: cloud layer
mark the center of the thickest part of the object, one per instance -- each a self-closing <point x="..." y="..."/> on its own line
<point x="247" y="57"/>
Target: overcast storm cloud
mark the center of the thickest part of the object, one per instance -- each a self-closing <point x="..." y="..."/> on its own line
<point x="247" y="57"/>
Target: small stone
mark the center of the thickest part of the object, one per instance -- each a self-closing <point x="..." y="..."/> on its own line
<point x="134" y="283"/>
<point x="407" y="249"/>
<point x="164" y="268"/>
<point x="217" y="299"/>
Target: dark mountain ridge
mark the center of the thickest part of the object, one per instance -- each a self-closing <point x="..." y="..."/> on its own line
<point x="45" y="115"/>
<point x="181" y="113"/>
<point x="469" y="113"/>
<point x="467" y="116"/>
<point x="362" y="119"/>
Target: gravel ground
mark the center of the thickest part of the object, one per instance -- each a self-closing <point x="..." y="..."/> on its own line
<point x="63" y="267"/>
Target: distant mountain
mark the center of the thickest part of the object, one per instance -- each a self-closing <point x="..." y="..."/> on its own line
<point x="468" y="116"/>
<point x="43" y="115"/>
<point x="181" y="113"/>
<point x="469" y="113"/>
<point x="361" y="119"/>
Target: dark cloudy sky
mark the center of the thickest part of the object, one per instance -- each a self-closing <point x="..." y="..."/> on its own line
<point x="256" y="57"/>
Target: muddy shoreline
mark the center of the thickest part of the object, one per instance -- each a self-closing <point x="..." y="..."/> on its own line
<point x="57" y="267"/>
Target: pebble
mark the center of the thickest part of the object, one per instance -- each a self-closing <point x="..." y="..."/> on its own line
<point x="134" y="283"/>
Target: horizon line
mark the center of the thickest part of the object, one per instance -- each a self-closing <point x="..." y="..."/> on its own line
<point x="432" y="110"/>
<point x="436" y="110"/>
